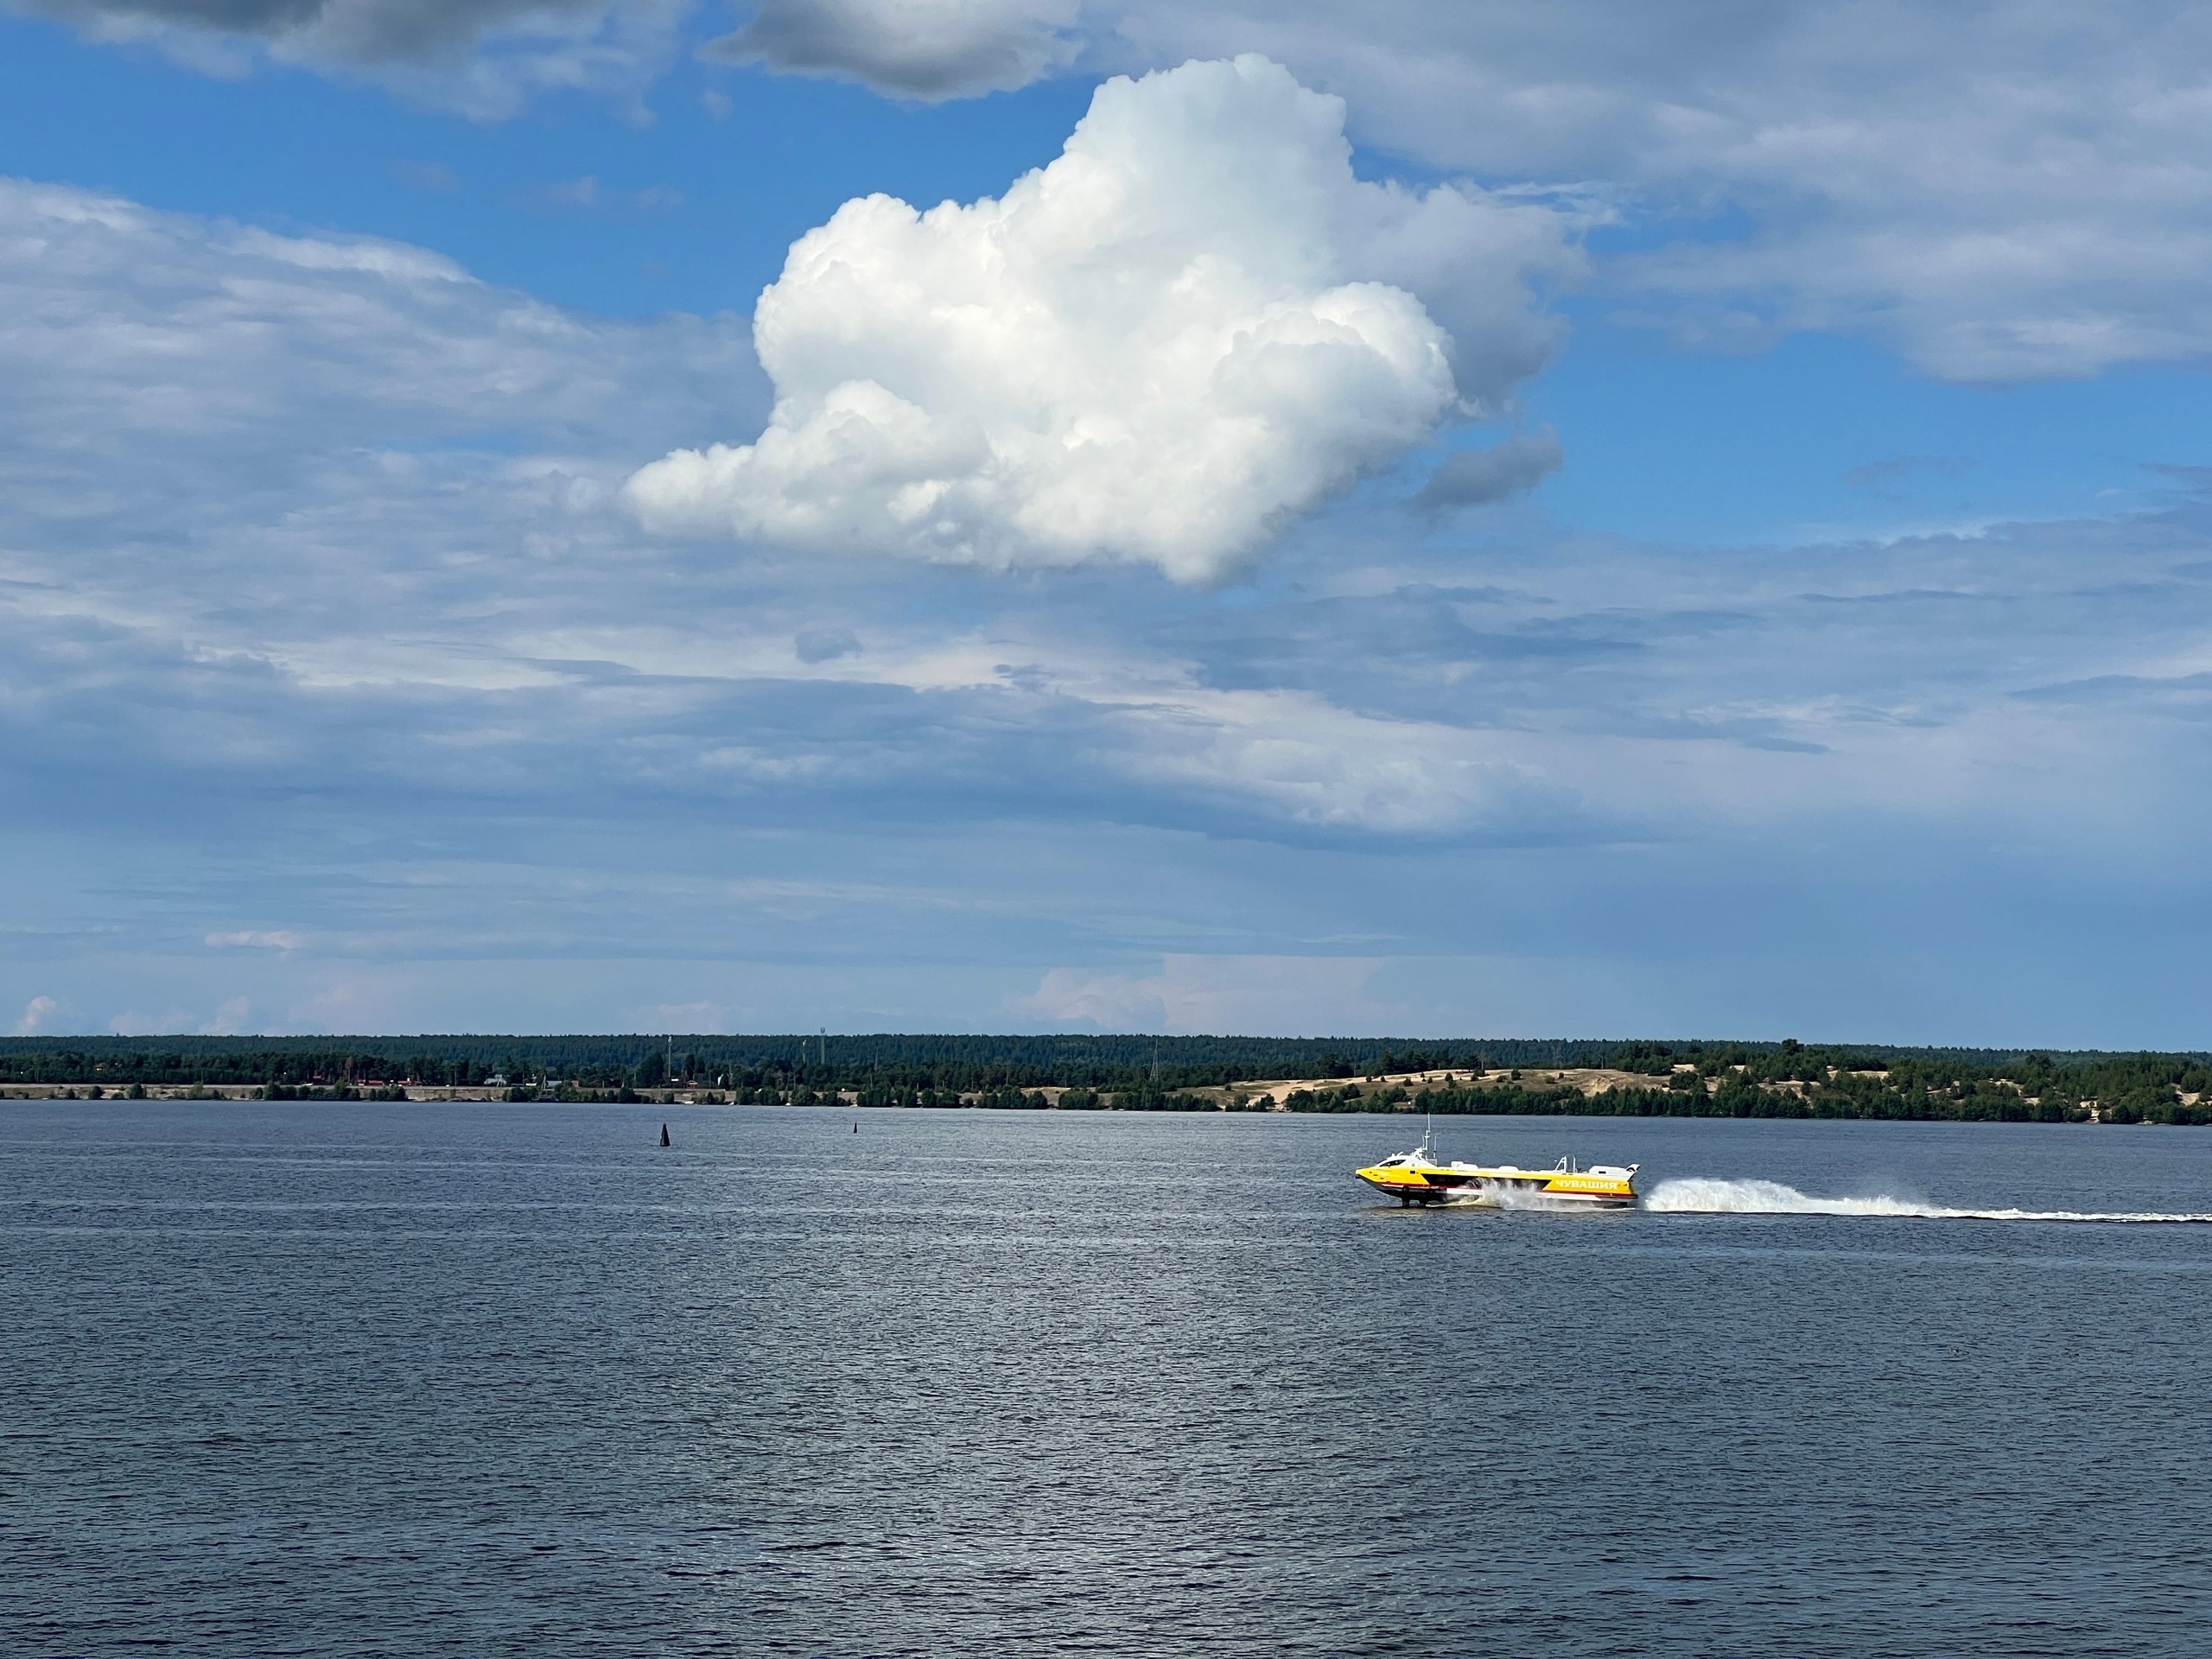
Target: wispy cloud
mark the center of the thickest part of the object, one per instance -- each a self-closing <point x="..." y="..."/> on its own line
<point x="1469" y="478"/>
<point x="926" y="50"/>
<point x="321" y="550"/>
<point x="587" y="194"/>
<point x="1298" y="996"/>
<point x="2064" y="234"/>
<point x="680" y="1017"/>
<point x="232" y="1018"/>
<point x="825" y="645"/>
<point x="425" y="175"/>
<point x="1896" y="469"/>
<point x="282" y="939"/>
<point x="132" y="1023"/>
<point x="485" y="58"/>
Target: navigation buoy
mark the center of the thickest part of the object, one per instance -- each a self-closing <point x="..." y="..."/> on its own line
<point x="663" y="1135"/>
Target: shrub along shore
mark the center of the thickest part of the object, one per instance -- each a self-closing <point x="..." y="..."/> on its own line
<point x="1517" y="1077"/>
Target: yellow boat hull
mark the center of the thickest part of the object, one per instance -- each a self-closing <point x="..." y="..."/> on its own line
<point x="1504" y="1187"/>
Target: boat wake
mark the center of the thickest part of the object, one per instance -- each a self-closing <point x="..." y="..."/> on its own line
<point x="1703" y="1195"/>
<point x="1502" y="1195"/>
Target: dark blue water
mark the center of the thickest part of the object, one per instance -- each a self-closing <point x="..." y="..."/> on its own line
<point x="511" y="1380"/>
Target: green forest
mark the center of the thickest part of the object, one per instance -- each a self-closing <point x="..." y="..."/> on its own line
<point x="1791" y="1080"/>
<point x="1673" y="1079"/>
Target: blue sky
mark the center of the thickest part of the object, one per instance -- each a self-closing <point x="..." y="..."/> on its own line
<point x="1506" y="520"/>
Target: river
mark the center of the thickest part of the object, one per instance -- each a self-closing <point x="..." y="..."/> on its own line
<point x="491" y="1379"/>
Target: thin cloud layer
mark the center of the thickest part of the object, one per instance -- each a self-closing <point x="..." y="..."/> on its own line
<point x="362" y="31"/>
<point x="1999" y="193"/>
<point x="264" y="498"/>
<point x="314" y="543"/>
<point x="1469" y="478"/>
<point x="254" y="356"/>
<point x="488" y="58"/>
<point x="1315" y="994"/>
<point x="930" y="50"/>
<point x="1194" y="324"/>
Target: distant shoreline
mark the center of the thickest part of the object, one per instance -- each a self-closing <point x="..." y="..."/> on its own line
<point x="1727" y="1090"/>
<point x="1188" y="1074"/>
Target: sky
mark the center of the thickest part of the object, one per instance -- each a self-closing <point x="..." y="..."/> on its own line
<point x="1491" y="519"/>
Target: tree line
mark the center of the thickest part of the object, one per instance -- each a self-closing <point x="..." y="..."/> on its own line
<point x="1793" y="1080"/>
<point x="968" y="1062"/>
<point x="1693" y="1079"/>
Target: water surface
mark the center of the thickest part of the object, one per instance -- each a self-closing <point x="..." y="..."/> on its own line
<point x="371" y="1379"/>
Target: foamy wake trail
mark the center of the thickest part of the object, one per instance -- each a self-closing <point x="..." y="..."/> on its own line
<point x="1703" y="1195"/>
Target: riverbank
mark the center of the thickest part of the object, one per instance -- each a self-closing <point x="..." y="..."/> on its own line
<point x="1685" y="1090"/>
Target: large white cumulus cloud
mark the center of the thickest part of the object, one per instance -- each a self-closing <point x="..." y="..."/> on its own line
<point x="1192" y="325"/>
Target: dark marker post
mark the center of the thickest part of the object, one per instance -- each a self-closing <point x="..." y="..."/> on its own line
<point x="663" y="1135"/>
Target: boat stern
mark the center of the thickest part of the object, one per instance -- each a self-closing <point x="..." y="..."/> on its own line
<point x="1602" y="1186"/>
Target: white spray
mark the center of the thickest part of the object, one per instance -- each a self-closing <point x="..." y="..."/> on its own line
<point x="1705" y="1195"/>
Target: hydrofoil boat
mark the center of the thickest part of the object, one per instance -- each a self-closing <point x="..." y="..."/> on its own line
<point x="1417" y="1177"/>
